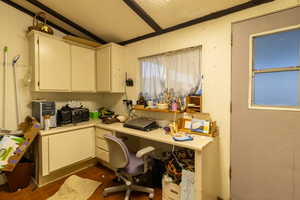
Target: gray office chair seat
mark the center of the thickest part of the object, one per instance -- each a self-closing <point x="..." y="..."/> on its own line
<point x="135" y="166"/>
<point x="127" y="166"/>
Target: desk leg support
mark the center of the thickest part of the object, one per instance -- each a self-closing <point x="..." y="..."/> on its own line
<point x="198" y="175"/>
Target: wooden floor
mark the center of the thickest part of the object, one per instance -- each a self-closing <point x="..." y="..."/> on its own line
<point x="97" y="173"/>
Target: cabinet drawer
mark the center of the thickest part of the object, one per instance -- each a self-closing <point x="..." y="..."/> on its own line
<point x="101" y="132"/>
<point x="101" y="143"/>
<point x="170" y="191"/>
<point x="102" y="154"/>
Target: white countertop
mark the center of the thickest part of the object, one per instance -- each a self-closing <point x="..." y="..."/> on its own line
<point x="69" y="127"/>
<point x="158" y="135"/>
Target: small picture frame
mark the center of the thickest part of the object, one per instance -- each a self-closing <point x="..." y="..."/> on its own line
<point x="199" y="125"/>
<point x="185" y="124"/>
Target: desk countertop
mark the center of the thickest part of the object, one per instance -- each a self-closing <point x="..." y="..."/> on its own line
<point x="158" y="135"/>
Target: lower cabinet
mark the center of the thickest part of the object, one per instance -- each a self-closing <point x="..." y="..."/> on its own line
<point x="66" y="148"/>
<point x="102" y="154"/>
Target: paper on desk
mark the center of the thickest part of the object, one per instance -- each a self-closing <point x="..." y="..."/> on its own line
<point x="8" y="146"/>
<point x="187" y="185"/>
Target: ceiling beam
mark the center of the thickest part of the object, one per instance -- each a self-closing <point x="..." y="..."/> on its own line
<point x="142" y="13"/>
<point x="202" y="19"/>
<point x="66" y="20"/>
<point x="32" y="14"/>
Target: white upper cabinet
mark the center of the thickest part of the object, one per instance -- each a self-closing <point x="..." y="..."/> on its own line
<point x="83" y="69"/>
<point x="62" y="66"/>
<point x="52" y="64"/>
<point x="110" y="72"/>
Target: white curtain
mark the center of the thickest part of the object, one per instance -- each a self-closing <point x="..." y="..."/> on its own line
<point x="180" y="71"/>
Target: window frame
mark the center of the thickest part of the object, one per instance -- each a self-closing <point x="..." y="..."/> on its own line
<point x="251" y="72"/>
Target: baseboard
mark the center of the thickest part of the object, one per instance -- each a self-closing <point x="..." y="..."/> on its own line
<point x="67" y="171"/>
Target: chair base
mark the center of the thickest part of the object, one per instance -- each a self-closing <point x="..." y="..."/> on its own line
<point x="129" y="189"/>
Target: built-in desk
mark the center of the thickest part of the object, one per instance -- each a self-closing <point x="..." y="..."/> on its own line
<point x="199" y="145"/>
<point x="159" y="135"/>
<point x="63" y="138"/>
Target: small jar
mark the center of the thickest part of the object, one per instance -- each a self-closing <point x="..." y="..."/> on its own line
<point x="174" y="106"/>
<point x="47" y="122"/>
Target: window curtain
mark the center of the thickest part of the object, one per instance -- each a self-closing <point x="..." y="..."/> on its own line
<point x="180" y="71"/>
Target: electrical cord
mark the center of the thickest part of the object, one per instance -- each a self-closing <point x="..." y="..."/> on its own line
<point x="175" y="157"/>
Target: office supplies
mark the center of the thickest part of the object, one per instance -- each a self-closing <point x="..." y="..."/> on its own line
<point x="141" y="123"/>
<point x="183" y="138"/>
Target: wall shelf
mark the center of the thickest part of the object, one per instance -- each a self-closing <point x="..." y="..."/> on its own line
<point x="142" y="108"/>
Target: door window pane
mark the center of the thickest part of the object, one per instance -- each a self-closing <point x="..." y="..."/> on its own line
<point x="277" y="88"/>
<point x="277" y="50"/>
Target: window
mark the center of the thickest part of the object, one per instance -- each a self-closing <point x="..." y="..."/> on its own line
<point x="179" y="71"/>
<point x="275" y="69"/>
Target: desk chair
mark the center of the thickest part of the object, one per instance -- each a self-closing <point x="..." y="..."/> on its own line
<point x="127" y="165"/>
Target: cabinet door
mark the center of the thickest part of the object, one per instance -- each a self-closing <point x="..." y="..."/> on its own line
<point x="104" y="69"/>
<point x="83" y="69"/>
<point x="71" y="147"/>
<point x="54" y="64"/>
<point x="117" y="71"/>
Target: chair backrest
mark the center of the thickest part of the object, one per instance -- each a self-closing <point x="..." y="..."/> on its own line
<point x="118" y="152"/>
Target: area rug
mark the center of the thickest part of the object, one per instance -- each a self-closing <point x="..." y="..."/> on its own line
<point x="76" y="188"/>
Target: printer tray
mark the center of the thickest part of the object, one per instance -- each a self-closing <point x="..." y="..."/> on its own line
<point x="143" y="124"/>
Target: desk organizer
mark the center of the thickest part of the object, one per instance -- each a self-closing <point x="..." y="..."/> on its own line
<point x="184" y="125"/>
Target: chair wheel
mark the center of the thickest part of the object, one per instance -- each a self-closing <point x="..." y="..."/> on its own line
<point x="151" y="196"/>
<point x="104" y="194"/>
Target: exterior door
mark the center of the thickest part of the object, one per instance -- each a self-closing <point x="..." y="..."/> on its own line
<point x="265" y="143"/>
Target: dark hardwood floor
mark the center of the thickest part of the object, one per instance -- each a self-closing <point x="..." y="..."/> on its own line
<point x="97" y="173"/>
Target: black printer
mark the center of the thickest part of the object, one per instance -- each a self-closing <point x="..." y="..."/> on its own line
<point x="67" y="115"/>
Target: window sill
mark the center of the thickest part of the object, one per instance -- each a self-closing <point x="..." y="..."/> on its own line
<point x="251" y="107"/>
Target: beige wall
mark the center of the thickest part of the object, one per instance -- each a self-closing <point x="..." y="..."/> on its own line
<point x="215" y="37"/>
<point x="13" y="27"/>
